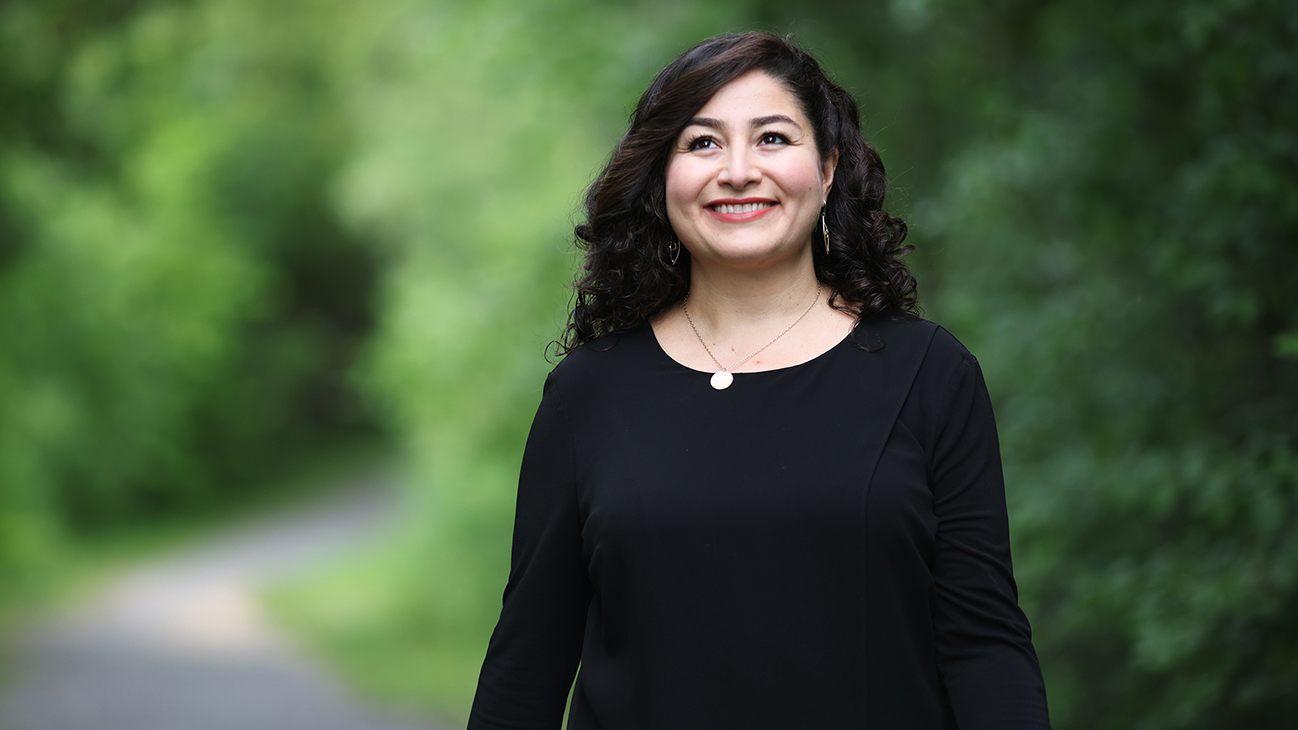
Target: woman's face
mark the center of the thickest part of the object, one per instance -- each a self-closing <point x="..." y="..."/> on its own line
<point x="744" y="181"/>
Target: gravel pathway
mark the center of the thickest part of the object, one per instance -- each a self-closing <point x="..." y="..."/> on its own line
<point x="182" y="643"/>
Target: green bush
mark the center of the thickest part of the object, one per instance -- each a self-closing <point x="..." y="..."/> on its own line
<point x="178" y="303"/>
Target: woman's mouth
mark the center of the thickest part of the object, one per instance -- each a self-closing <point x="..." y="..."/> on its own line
<point x="740" y="211"/>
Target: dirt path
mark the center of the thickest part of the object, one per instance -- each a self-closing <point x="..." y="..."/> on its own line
<point x="183" y="644"/>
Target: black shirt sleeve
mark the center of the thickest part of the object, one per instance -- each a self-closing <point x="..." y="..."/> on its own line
<point x="983" y="640"/>
<point x="536" y="646"/>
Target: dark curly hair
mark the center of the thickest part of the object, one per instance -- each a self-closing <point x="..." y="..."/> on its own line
<point x="628" y="276"/>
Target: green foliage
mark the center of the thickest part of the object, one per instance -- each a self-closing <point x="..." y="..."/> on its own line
<point x="178" y="303"/>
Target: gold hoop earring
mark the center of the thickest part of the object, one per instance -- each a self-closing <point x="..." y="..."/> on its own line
<point x="674" y="250"/>
<point x="824" y="229"/>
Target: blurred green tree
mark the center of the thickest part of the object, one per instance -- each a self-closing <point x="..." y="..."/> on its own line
<point x="179" y="305"/>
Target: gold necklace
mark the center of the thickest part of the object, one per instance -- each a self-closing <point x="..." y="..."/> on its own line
<point x="722" y="378"/>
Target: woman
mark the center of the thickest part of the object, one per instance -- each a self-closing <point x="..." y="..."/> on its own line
<point x="759" y="492"/>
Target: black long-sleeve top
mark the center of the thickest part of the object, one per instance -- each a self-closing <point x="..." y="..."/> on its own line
<point x="820" y="546"/>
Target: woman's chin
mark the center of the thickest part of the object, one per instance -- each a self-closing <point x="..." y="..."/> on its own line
<point x="754" y="258"/>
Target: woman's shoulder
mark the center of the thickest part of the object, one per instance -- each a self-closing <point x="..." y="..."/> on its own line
<point x="602" y="358"/>
<point x="939" y="375"/>
<point x="947" y="351"/>
<point x="924" y="353"/>
<point x="910" y="331"/>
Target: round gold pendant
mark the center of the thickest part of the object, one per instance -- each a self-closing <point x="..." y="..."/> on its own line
<point x="722" y="379"/>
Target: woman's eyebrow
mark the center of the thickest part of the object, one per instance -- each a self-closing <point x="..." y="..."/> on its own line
<point x="716" y="124"/>
<point x="773" y="119"/>
<point x="719" y="125"/>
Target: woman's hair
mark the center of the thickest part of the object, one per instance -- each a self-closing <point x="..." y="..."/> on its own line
<point x="628" y="271"/>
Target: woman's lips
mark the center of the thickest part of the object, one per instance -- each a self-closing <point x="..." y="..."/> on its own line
<point x="739" y="211"/>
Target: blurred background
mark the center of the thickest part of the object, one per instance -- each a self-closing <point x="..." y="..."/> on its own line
<point x="249" y="248"/>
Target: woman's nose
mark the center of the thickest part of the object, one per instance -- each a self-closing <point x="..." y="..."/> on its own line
<point x="740" y="170"/>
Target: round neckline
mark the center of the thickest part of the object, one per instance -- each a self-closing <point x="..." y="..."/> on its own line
<point x="658" y="346"/>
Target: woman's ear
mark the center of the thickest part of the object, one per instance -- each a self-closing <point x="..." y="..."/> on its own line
<point x="827" y="167"/>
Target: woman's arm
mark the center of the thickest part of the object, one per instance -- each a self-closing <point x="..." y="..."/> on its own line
<point x="984" y="643"/>
<point x="536" y="646"/>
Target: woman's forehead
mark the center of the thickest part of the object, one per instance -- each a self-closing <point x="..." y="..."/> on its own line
<point x="753" y="99"/>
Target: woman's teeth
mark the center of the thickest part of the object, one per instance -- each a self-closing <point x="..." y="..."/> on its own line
<point x="745" y="208"/>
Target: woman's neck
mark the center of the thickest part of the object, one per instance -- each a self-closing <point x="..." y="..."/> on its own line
<point x="773" y="315"/>
<point x="742" y="302"/>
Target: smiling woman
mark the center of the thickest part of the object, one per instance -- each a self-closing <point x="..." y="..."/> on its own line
<point x="634" y="268"/>
<point x="745" y="183"/>
<point x="759" y="491"/>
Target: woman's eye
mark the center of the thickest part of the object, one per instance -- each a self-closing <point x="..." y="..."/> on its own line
<point x="699" y="143"/>
<point x="774" y="138"/>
